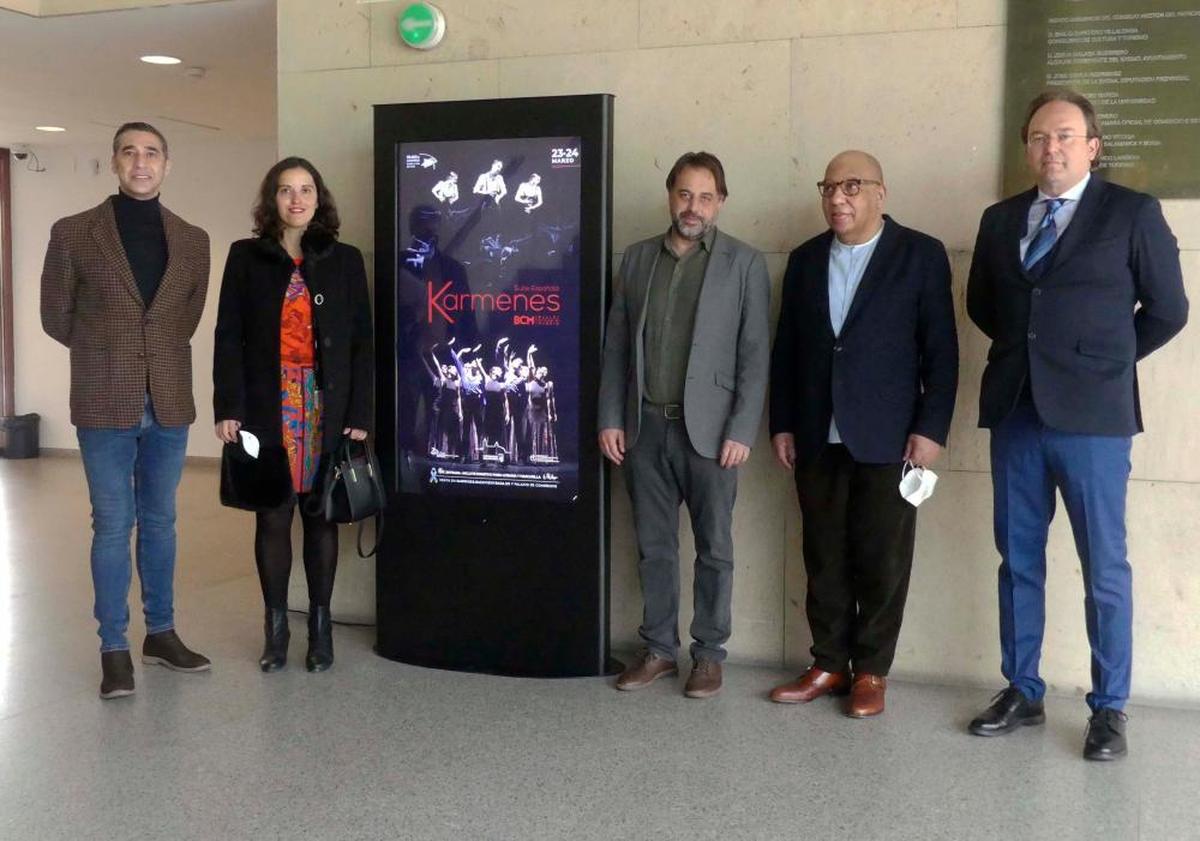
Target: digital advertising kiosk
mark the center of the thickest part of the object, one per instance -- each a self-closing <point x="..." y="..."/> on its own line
<point x="492" y="259"/>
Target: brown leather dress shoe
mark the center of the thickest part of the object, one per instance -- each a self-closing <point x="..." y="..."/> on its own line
<point x="705" y="679"/>
<point x="866" y="696"/>
<point x="812" y="684"/>
<point x="648" y="668"/>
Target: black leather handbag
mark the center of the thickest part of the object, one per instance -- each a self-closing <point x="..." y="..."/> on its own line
<point x="255" y="484"/>
<point x="352" y="489"/>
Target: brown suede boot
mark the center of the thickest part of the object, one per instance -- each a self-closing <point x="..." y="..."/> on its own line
<point x="705" y="679"/>
<point x="648" y="668"/>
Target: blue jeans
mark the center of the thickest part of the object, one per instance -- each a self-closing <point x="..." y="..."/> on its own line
<point x="132" y="475"/>
<point x="1029" y="461"/>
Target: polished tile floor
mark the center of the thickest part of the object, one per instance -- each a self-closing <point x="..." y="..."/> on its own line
<point x="379" y="750"/>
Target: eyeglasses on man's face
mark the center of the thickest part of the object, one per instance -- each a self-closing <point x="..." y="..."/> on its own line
<point x="1064" y="138"/>
<point x="849" y="186"/>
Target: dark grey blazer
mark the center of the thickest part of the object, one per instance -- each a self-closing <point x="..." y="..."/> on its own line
<point x="730" y="357"/>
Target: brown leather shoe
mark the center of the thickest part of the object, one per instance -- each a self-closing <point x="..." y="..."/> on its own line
<point x="811" y="685"/>
<point x="866" y="695"/>
<point x="648" y="668"/>
<point x="705" y="679"/>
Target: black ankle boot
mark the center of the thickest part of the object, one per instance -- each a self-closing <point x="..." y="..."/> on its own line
<point x="320" y="639"/>
<point x="275" y="629"/>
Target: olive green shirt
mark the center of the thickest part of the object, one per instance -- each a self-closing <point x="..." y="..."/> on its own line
<point x="670" y="317"/>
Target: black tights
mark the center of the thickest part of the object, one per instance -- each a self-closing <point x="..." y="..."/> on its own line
<point x="273" y="554"/>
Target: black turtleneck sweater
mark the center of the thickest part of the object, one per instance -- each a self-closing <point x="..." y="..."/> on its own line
<point x="140" y="225"/>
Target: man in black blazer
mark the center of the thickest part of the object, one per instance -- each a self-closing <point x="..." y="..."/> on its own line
<point x="863" y="378"/>
<point x="1074" y="282"/>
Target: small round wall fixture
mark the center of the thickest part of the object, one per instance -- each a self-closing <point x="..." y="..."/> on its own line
<point x="421" y="26"/>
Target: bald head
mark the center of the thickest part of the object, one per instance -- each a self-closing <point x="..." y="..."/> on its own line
<point x="863" y="164"/>
<point x="855" y="218"/>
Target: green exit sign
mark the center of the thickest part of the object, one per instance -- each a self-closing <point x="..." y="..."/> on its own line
<point x="421" y="25"/>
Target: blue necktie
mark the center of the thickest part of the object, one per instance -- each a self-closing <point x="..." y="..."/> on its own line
<point x="1047" y="235"/>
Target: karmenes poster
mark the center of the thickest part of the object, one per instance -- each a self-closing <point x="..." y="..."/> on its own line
<point x="487" y="310"/>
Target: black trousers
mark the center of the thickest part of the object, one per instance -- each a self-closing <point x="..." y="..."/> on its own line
<point x="858" y="550"/>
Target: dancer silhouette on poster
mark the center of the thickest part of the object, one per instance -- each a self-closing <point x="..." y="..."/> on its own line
<point x="446" y="190"/>
<point x="491" y="183"/>
<point x="471" y="376"/>
<point x="529" y="193"/>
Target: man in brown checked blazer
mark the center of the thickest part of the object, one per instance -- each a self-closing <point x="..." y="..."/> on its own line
<point x="123" y="287"/>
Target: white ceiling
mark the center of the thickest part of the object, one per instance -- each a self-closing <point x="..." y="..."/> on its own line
<point x="82" y="72"/>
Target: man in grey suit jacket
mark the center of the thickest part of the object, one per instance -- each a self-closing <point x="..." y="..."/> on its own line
<point x="681" y="394"/>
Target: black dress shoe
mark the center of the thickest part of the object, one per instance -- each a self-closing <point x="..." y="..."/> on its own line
<point x="1009" y="710"/>
<point x="1105" y="738"/>
<point x="275" y="647"/>
<point x="320" y="639"/>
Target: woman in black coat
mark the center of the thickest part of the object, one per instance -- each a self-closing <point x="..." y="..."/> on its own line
<point x="293" y="366"/>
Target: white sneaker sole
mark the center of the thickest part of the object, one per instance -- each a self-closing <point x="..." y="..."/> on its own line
<point x="116" y="693"/>
<point x="161" y="661"/>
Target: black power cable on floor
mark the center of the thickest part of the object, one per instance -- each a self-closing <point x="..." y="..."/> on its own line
<point x="304" y="613"/>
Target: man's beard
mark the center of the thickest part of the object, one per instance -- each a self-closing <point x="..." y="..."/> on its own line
<point x="697" y="234"/>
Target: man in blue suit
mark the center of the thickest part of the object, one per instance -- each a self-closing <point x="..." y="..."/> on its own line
<point x="1074" y="282"/>
<point x="863" y="378"/>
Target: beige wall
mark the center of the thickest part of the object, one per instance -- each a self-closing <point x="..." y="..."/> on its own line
<point x="50" y="8"/>
<point x="212" y="184"/>
<point x="775" y="87"/>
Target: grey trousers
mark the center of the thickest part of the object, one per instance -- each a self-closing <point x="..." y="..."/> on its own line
<point x="663" y="470"/>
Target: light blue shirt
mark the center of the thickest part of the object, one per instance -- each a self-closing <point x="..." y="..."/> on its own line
<point x="1061" y="219"/>
<point x="847" y="265"/>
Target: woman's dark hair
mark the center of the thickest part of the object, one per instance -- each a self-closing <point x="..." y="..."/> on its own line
<point x="267" y="223"/>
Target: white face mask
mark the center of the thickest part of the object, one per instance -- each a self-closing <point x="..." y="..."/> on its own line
<point x="916" y="483"/>
<point x="249" y="443"/>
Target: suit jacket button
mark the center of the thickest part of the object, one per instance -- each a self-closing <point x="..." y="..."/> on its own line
<point x="328" y="342"/>
<point x="1036" y="291"/>
<point x="837" y="348"/>
<point x="1032" y="335"/>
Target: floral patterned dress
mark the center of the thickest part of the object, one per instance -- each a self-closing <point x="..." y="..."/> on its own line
<point x="300" y="398"/>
